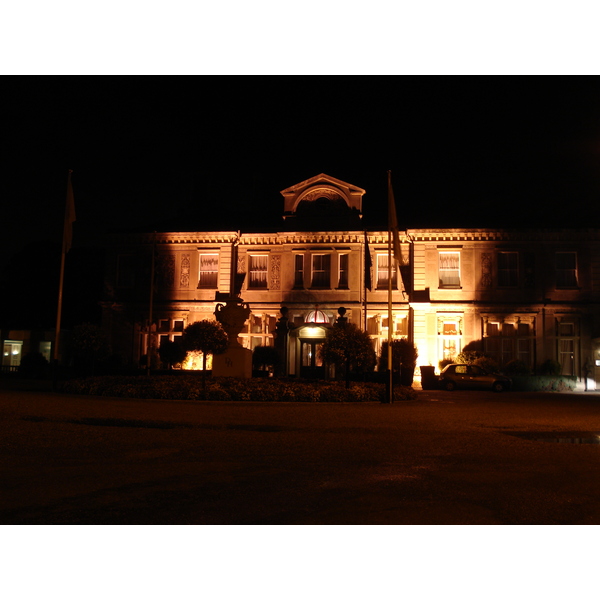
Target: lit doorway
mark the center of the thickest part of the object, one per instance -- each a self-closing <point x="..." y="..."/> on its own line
<point x="311" y="363"/>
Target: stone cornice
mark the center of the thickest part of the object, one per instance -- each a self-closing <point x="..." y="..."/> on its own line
<point x="498" y="235"/>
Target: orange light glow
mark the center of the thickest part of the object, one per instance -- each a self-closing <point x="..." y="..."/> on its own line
<point x="193" y="361"/>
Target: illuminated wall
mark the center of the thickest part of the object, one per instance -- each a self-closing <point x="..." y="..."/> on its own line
<point x="515" y="294"/>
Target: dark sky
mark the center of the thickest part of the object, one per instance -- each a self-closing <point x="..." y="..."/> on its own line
<point x="464" y="151"/>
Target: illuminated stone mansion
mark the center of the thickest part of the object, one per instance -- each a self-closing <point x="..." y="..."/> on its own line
<point x="528" y="294"/>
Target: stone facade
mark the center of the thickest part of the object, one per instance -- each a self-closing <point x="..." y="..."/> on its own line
<point x="521" y="294"/>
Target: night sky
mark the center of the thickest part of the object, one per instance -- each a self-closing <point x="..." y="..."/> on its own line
<point x="158" y="152"/>
<point x="149" y="152"/>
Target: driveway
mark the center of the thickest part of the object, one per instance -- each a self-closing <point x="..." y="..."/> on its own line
<point x="445" y="458"/>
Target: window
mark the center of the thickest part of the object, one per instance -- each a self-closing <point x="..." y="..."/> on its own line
<point x="566" y="269"/>
<point x="258" y="271"/>
<point x="568" y="343"/>
<point x="343" y="272"/>
<point x="450" y="339"/>
<point x="507" y="340"/>
<point x="299" y="271"/>
<point x="382" y="273"/>
<point x="508" y="269"/>
<point x="209" y="270"/>
<point x="321" y="270"/>
<point x="402" y="326"/>
<point x="11" y="356"/>
<point x="449" y="269"/>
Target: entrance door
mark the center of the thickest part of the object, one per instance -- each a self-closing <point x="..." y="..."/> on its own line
<point x="311" y="366"/>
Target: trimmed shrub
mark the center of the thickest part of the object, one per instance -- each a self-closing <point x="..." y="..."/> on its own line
<point x="468" y="357"/>
<point x="516" y="367"/>
<point x="225" y="389"/>
<point x="34" y="365"/>
<point x="543" y="383"/>
<point x="486" y="363"/>
<point x="549" y="367"/>
<point x="404" y="359"/>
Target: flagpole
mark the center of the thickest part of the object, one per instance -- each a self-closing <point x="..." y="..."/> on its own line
<point x="366" y="282"/>
<point x="66" y="245"/>
<point x="390" y="370"/>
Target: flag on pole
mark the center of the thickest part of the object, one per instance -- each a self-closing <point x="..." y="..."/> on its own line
<point x="393" y="222"/>
<point x="368" y="265"/>
<point x="398" y="261"/>
<point x="69" y="216"/>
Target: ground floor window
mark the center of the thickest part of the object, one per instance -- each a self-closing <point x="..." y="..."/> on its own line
<point x="11" y="355"/>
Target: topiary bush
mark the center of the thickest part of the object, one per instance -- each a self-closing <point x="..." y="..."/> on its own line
<point x="34" y="366"/>
<point x="487" y="364"/>
<point x="468" y="357"/>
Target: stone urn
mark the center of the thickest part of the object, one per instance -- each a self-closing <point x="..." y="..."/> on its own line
<point x="232" y="315"/>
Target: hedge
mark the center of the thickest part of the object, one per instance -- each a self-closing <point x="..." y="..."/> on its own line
<point x="543" y="383"/>
<point x="232" y="389"/>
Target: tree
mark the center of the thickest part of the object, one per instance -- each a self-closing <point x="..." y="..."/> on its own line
<point x="404" y="359"/>
<point x="90" y="344"/>
<point x="172" y="353"/>
<point x="207" y="337"/>
<point x="349" y="348"/>
<point x="264" y="357"/>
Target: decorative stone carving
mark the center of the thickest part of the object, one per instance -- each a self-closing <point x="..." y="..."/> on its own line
<point x="184" y="279"/>
<point x="486" y="269"/>
<point x="241" y="263"/>
<point x="275" y="282"/>
<point x="322" y="193"/>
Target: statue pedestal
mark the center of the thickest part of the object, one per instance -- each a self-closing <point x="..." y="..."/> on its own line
<point x="235" y="362"/>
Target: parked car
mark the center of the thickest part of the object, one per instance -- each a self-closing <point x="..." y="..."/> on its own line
<point x="472" y="377"/>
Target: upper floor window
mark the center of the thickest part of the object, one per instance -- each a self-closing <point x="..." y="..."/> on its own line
<point x="566" y="269"/>
<point x="508" y="269"/>
<point x="383" y="273"/>
<point x="449" y="269"/>
<point x="258" y="264"/>
<point x="321" y="270"/>
<point x="343" y="271"/>
<point x="209" y="270"/>
<point x="299" y="270"/>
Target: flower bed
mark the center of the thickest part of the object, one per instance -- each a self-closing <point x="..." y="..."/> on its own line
<point x="232" y="389"/>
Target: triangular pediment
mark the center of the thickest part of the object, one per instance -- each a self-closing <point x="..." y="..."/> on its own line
<point x="321" y="187"/>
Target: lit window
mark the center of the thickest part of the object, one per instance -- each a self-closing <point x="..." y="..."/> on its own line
<point x="449" y="269"/>
<point x="382" y="273"/>
<point x="321" y="270"/>
<point x="209" y="270"/>
<point x="508" y="269"/>
<point x="566" y="269"/>
<point x="402" y="326"/>
<point x="493" y="329"/>
<point x="258" y="271"/>
<point x="343" y="271"/>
